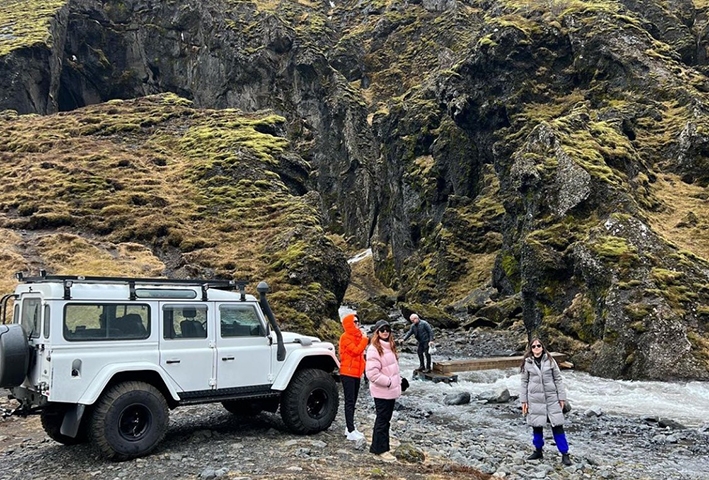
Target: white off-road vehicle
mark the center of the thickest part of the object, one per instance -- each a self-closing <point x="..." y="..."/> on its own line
<point x="103" y="359"/>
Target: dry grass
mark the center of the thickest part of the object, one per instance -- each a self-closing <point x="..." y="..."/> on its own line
<point x="65" y="253"/>
<point x="674" y="222"/>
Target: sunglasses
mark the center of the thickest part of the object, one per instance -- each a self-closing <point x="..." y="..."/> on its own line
<point x="356" y="320"/>
<point x="536" y="346"/>
<point x="385" y="330"/>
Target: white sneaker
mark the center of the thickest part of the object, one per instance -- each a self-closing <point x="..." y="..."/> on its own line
<point x="355" y="435"/>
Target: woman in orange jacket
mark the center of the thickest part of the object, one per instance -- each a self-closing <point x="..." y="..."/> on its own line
<point x="352" y="345"/>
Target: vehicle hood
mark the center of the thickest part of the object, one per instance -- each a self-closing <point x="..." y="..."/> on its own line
<point x="292" y="337"/>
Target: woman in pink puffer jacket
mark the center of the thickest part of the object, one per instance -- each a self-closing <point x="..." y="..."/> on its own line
<point x="382" y="370"/>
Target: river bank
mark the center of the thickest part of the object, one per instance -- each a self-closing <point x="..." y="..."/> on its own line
<point x="476" y="440"/>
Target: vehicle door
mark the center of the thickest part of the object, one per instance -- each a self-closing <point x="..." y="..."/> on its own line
<point x="32" y="324"/>
<point x="187" y="350"/>
<point x="243" y="347"/>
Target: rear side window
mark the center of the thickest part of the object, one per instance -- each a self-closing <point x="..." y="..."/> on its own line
<point x="31" y="316"/>
<point x="106" y="321"/>
<point x="182" y="321"/>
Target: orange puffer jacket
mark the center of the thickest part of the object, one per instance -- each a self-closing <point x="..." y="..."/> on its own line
<point x="352" y="345"/>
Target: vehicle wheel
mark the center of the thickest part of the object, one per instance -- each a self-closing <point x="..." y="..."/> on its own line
<point x="14" y="355"/>
<point x="310" y="402"/>
<point x="129" y="420"/>
<point x="52" y="417"/>
<point x="242" y="408"/>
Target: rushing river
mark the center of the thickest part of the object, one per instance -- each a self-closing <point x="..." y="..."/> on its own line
<point x="684" y="402"/>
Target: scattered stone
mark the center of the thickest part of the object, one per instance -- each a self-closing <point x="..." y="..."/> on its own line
<point x="462" y="398"/>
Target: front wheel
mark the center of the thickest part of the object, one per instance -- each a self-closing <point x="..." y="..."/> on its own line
<point x="129" y="420"/>
<point x="309" y="404"/>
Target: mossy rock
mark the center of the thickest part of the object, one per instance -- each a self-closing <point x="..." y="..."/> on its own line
<point x="432" y="314"/>
<point x="407" y="452"/>
<point x="499" y="312"/>
<point x="371" y="313"/>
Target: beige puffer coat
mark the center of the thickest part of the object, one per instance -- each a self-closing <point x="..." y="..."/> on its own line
<point x="542" y="388"/>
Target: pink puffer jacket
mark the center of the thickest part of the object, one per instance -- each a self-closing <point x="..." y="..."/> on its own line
<point x="383" y="373"/>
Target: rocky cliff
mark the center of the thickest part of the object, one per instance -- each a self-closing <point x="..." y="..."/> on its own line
<point x="526" y="163"/>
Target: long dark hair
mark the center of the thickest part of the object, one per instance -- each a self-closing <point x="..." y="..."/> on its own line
<point x="529" y="353"/>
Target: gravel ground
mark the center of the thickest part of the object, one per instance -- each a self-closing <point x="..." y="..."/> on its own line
<point x="470" y="441"/>
<point x="208" y="442"/>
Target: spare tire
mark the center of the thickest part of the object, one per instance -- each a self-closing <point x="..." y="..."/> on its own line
<point x="14" y="355"/>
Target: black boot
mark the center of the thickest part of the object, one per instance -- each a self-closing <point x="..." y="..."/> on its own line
<point x="537" y="455"/>
<point x="565" y="459"/>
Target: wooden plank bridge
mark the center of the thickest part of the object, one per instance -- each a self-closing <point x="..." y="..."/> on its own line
<point x="444" y="371"/>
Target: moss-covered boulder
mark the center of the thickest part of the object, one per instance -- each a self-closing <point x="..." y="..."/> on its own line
<point x="432" y="314"/>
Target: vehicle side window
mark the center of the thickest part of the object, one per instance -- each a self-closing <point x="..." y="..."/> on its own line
<point x="240" y="321"/>
<point x="31" y="316"/>
<point x="47" y="323"/>
<point x="180" y="321"/>
<point x="106" y="321"/>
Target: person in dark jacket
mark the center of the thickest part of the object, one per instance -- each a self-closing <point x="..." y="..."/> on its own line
<point x="543" y="397"/>
<point x="423" y="332"/>
<point x="352" y="345"/>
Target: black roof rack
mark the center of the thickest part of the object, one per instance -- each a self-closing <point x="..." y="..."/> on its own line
<point x="68" y="280"/>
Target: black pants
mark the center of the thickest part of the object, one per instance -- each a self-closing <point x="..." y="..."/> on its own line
<point x="423" y="349"/>
<point x="350" y="386"/>
<point x="380" y="436"/>
<point x="554" y="429"/>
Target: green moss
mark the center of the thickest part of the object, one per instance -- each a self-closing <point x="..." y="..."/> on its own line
<point x="665" y="278"/>
<point x="24" y="23"/>
<point x="510" y="265"/>
<point x="637" y="311"/>
<point x="486" y="42"/>
<point x="616" y="249"/>
<point x="222" y="140"/>
<point x="639" y="327"/>
<point x="629" y="284"/>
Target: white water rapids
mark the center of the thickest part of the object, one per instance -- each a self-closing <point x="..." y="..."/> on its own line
<point x="683" y="402"/>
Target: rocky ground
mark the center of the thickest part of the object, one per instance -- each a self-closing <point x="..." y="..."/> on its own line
<point x="471" y="441"/>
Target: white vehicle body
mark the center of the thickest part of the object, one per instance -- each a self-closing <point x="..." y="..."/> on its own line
<point x="192" y="341"/>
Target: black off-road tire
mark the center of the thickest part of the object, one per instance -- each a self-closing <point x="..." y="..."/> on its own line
<point x="52" y="417"/>
<point x="14" y="355"/>
<point x="309" y="404"/>
<point x="242" y="408"/>
<point x="129" y="420"/>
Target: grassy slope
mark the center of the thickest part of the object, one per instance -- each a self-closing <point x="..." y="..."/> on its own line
<point x="110" y="188"/>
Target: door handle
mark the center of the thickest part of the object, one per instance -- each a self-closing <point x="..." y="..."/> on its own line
<point x="225" y="359"/>
<point x="172" y="361"/>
